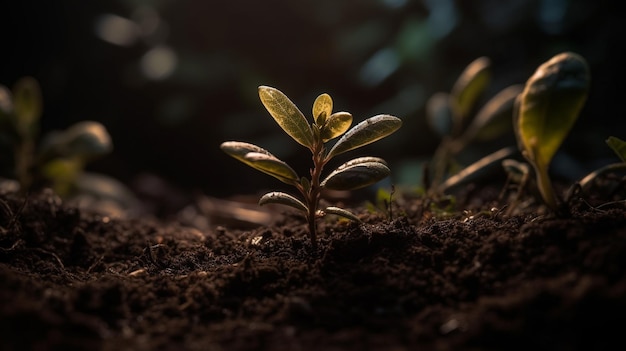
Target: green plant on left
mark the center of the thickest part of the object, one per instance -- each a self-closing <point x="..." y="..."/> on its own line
<point x="59" y="157"/>
<point x="354" y="174"/>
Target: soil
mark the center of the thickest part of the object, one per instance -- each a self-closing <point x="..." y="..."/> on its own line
<point x="416" y="280"/>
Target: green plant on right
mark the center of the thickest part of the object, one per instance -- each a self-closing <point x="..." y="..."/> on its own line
<point x="452" y="116"/>
<point x="57" y="159"/>
<point x="545" y="113"/>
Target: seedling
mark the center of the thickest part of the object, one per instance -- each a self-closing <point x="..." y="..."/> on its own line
<point x="450" y="115"/>
<point x="354" y="174"/>
<point x="619" y="147"/>
<point x="546" y="111"/>
<point x="59" y="158"/>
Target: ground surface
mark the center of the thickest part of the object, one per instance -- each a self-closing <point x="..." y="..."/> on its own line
<point x="77" y="281"/>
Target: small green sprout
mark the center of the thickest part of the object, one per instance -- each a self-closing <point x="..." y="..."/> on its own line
<point x="450" y="115"/>
<point x="59" y="158"/>
<point x="619" y="147"/>
<point x="354" y="174"/>
<point x="546" y="111"/>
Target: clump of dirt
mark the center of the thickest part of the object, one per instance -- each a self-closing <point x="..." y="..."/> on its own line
<point x="83" y="281"/>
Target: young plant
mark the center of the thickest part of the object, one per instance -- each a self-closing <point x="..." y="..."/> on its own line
<point x="546" y="111"/>
<point x="354" y="174"/>
<point x="619" y="147"/>
<point x="59" y="158"/>
<point x="450" y="115"/>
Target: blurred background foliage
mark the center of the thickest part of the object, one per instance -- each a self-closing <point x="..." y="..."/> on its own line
<point x="171" y="80"/>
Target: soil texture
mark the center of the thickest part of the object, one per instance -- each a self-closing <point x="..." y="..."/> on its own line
<point x="73" y="280"/>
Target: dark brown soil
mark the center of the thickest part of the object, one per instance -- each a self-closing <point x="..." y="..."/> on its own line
<point x="79" y="281"/>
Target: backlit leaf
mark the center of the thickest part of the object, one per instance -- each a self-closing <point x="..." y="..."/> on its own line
<point x="547" y="109"/>
<point x="287" y="115"/>
<point x="366" y="132"/>
<point x="550" y="104"/>
<point x="619" y="146"/>
<point x="281" y="198"/>
<point x="322" y="108"/>
<point x="260" y="159"/>
<point x="272" y="166"/>
<point x="470" y="85"/>
<point x="335" y="125"/>
<point x="341" y="212"/>
<point x="494" y="119"/>
<point x="85" y="139"/>
<point x="357" y="173"/>
<point x="239" y="149"/>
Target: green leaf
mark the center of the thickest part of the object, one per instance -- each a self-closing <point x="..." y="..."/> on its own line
<point x="260" y="159"/>
<point x="550" y="104"/>
<point x="618" y="146"/>
<point x="27" y="105"/>
<point x="480" y="169"/>
<point x="85" y="140"/>
<point x="357" y="173"/>
<point x="494" y="119"/>
<point x="341" y="212"/>
<point x="336" y="124"/>
<point x="439" y="114"/>
<point x="272" y="166"/>
<point x="469" y="86"/>
<point x="547" y="110"/>
<point x="366" y="132"/>
<point x="322" y="108"/>
<point x="281" y="198"/>
<point x="287" y="115"/>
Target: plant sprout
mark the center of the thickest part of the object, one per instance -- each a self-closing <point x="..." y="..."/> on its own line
<point x="354" y="174"/>
<point x="546" y="111"/>
<point x="619" y="147"/>
<point x="59" y="158"/>
<point x="450" y="116"/>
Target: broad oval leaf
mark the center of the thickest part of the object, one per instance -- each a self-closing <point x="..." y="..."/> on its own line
<point x="495" y="117"/>
<point x="322" y="108"/>
<point x="277" y="197"/>
<point x="341" y="212"/>
<point x="356" y="174"/>
<point x="550" y="104"/>
<point x="85" y="140"/>
<point x="260" y="159"/>
<point x="287" y="115"/>
<point x="336" y="124"/>
<point x="470" y="85"/>
<point x="618" y="146"/>
<point x="27" y="105"/>
<point x="272" y="166"/>
<point x="366" y="132"/>
<point x="439" y="114"/>
<point x="239" y="149"/>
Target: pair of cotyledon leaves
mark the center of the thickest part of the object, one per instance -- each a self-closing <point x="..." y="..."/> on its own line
<point x="351" y="175"/>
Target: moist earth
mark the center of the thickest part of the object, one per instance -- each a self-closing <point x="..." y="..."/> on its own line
<point x="413" y="279"/>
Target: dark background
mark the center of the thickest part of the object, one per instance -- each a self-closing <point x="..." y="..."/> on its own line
<point x="374" y="56"/>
